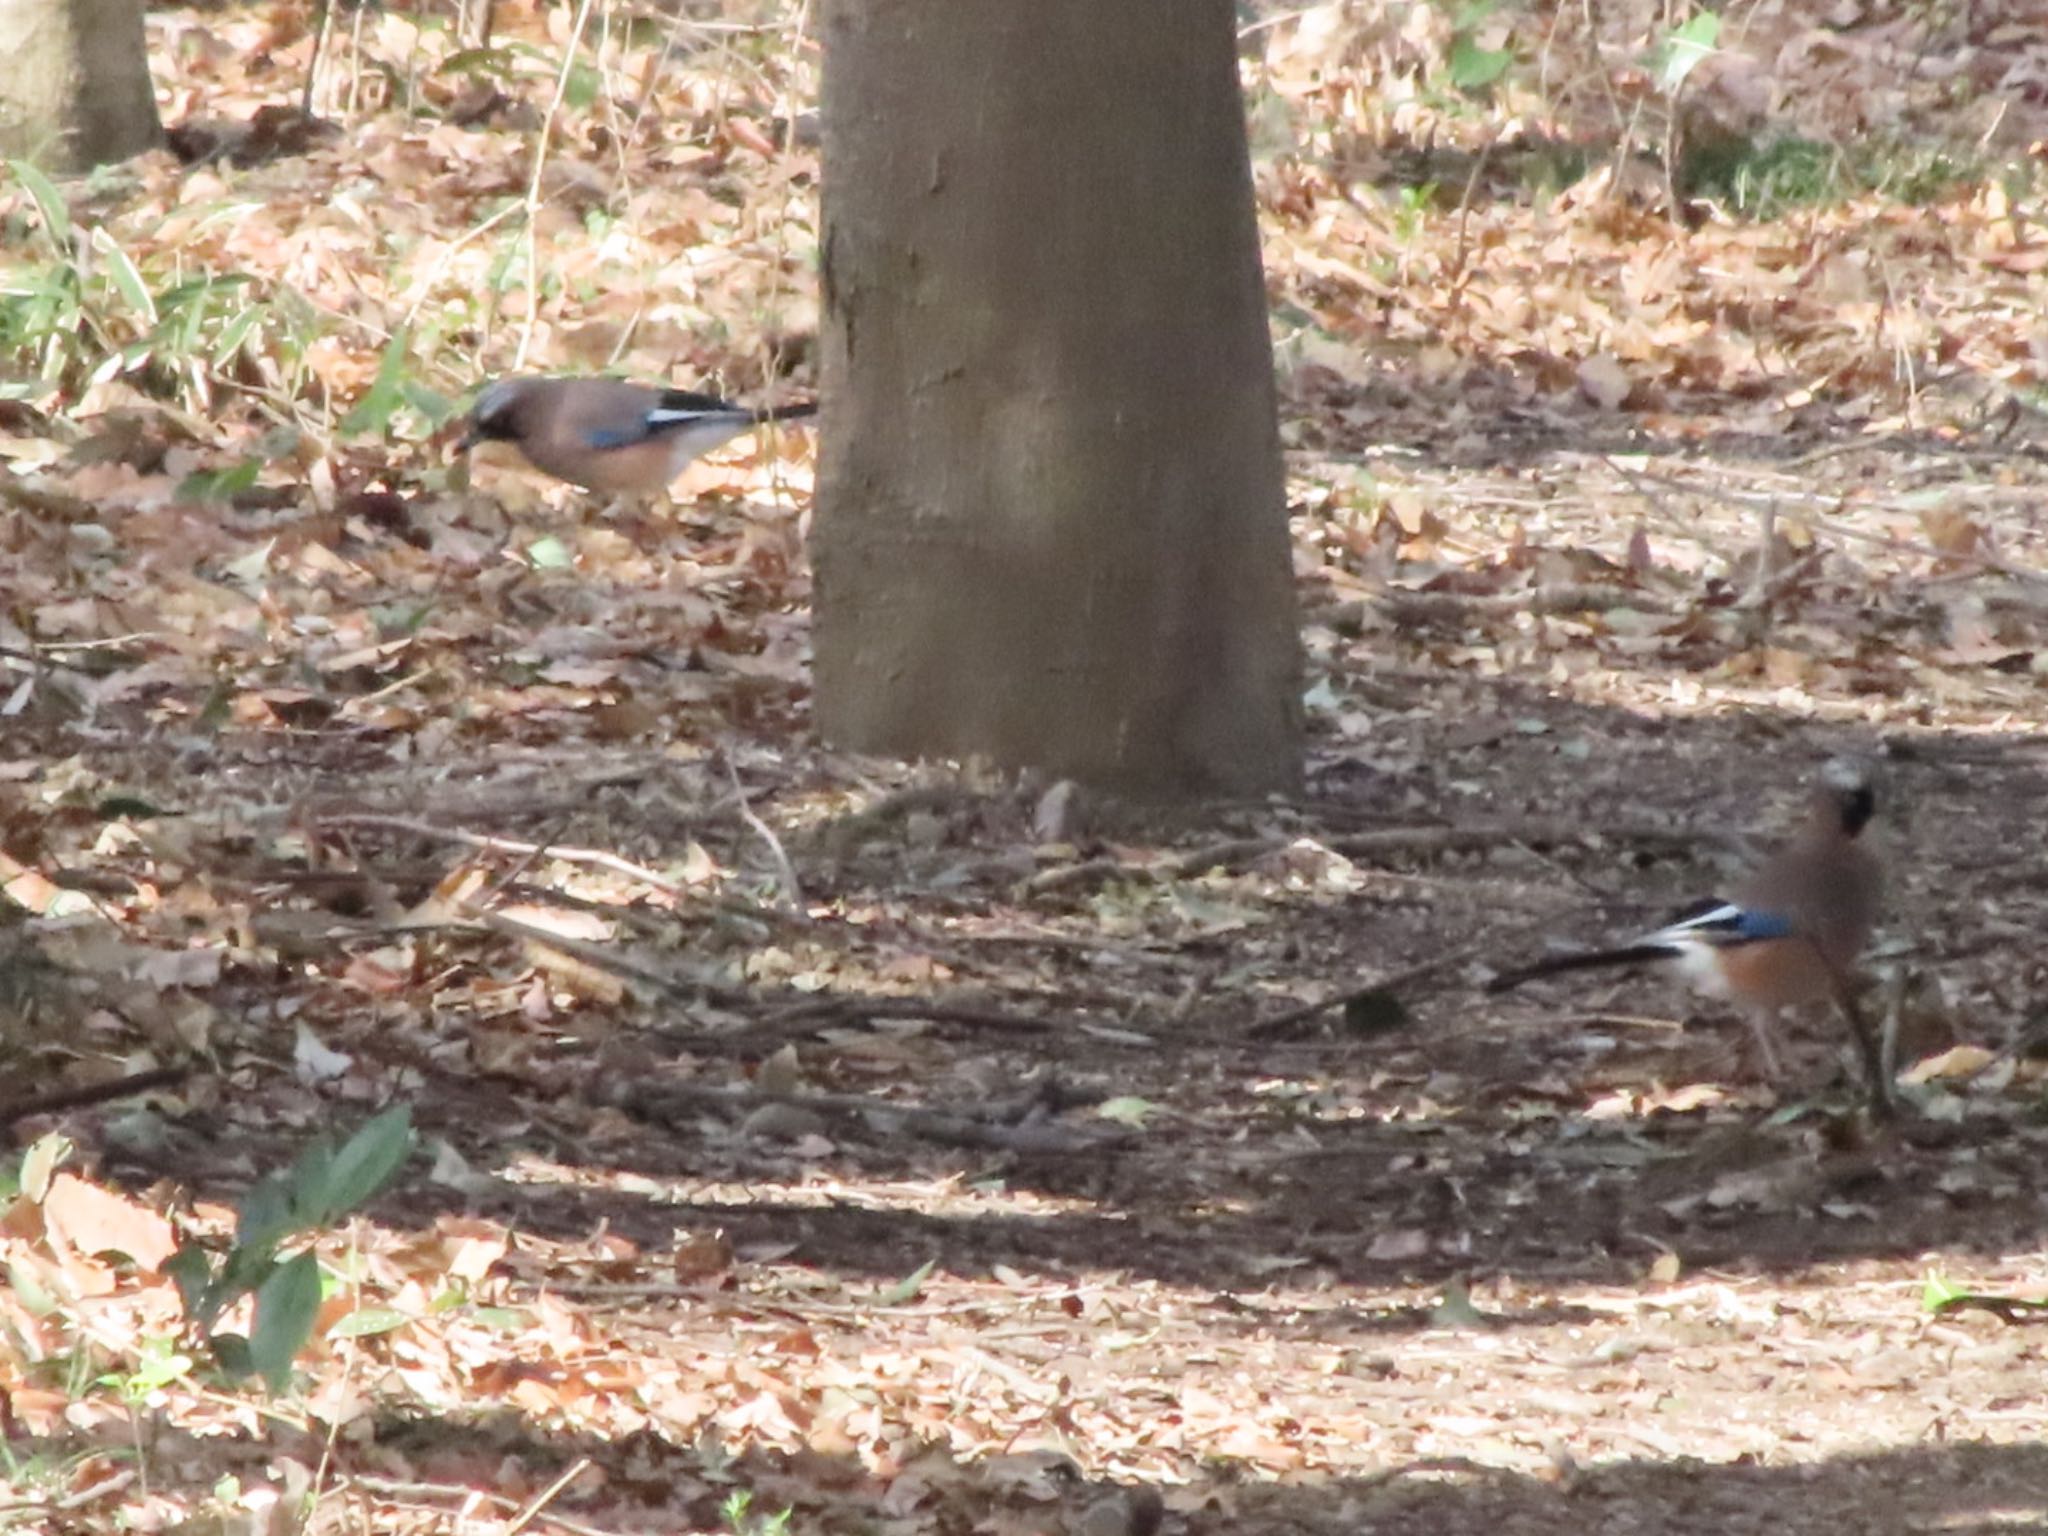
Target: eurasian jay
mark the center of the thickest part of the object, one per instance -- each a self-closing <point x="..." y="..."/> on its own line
<point x="607" y="434"/>
<point x="1790" y="934"/>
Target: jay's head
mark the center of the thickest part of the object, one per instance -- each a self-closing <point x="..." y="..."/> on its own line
<point x="1846" y="796"/>
<point x="500" y="414"/>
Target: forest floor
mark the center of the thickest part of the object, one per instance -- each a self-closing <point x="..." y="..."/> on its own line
<point x="816" y="1141"/>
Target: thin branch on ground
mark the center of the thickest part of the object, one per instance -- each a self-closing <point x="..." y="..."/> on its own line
<point x="948" y="1127"/>
<point x="785" y="872"/>
<point x="1280" y="1023"/>
<point x="487" y="842"/>
<point x="546" y="1496"/>
<point x="1573" y="597"/>
<point x="1236" y="852"/>
<point x="89" y="1094"/>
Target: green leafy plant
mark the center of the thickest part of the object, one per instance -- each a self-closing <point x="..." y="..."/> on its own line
<point x="324" y="1185"/>
<point x="1682" y="50"/>
<point x="87" y="311"/>
<point x="1412" y="208"/>
<point x="1940" y="1295"/>
<point x="736" y="1511"/>
<point x="1761" y="180"/>
<point x="1472" y="67"/>
<point x="159" y="1363"/>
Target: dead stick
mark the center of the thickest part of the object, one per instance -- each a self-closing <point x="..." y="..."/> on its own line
<point x="785" y="872"/>
<point x="1281" y="1022"/>
<point x="378" y="821"/>
<point x="1242" y="850"/>
<point x="90" y="1093"/>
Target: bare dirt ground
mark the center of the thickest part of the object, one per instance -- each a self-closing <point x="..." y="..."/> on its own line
<point x="876" y="1144"/>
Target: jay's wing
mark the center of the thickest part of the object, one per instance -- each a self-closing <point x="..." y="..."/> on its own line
<point x="1720" y="925"/>
<point x="671" y="411"/>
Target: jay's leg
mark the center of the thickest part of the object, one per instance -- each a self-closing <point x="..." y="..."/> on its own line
<point x="1763" y="1029"/>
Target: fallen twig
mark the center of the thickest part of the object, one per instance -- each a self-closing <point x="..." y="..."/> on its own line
<point x="785" y="872"/>
<point x="89" y="1094"/>
<point x="1573" y="597"/>
<point x="599" y="857"/>
<point x="546" y="1496"/>
<point x="1280" y="1023"/>
<point x="945" y="1126"/>
<point x="1236" y="852"/>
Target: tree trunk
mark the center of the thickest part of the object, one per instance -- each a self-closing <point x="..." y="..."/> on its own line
<point x="1051" y="523"/>
<point x="75" y="90"/>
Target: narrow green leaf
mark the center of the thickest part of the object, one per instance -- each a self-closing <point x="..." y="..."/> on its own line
<point x="372" y="413"/>
<point x="309" y="1172"/>
<point x="908" y="1287"/>
<point x="192" y="1271"/>
<point x="365" y="1321"/>
<point x="246" y="1268"/>
<point x="286" y="1306"/>
<point x="122" y="273"/>
<point x="478" y="61"/>
<point x="549" y="553"/>
<point x="1456" y="1309"/>
<point x="1681" y="52"/>
<point x="430" y="403"/>
<point x="221" y="485"/>
<point x="231" y="1350"/>
<point x="48" y="200"/>
<point x="39" y="1165"/>
<point x="1473" y="68"/>
<point x="367" y="1163"/>
<point x="265" y="1215"/>
<point x="1128" y="1110"/>
<point x="236" y="332"/>
<point x="582" y="86"/>
<point x="1939" y="1292"/>
<point x="161" y="1363"/>
<point x="28" y="1288"/>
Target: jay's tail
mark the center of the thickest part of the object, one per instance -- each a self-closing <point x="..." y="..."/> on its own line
<point x="1630" y="954"/>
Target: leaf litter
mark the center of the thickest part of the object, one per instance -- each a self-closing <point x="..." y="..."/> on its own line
<point x="908" y="1148"/>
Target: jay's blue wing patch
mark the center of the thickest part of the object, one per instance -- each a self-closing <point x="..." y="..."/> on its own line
<point x="620" y="437"/>
<point x="677" y="412"/>
<point x="1725" y="923"/>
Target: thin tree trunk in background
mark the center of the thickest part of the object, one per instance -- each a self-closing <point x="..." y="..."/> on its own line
<point x="1051" y="525"/>
<point x="75" y="89"/>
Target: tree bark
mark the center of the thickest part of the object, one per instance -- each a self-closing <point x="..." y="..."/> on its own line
<point x="1051" y="522"/>
<point x="75" y="90"/>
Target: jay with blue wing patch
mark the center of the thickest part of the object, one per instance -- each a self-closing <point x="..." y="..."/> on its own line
<point x="1790" y="934"/>
<point x="608" y="434"/>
